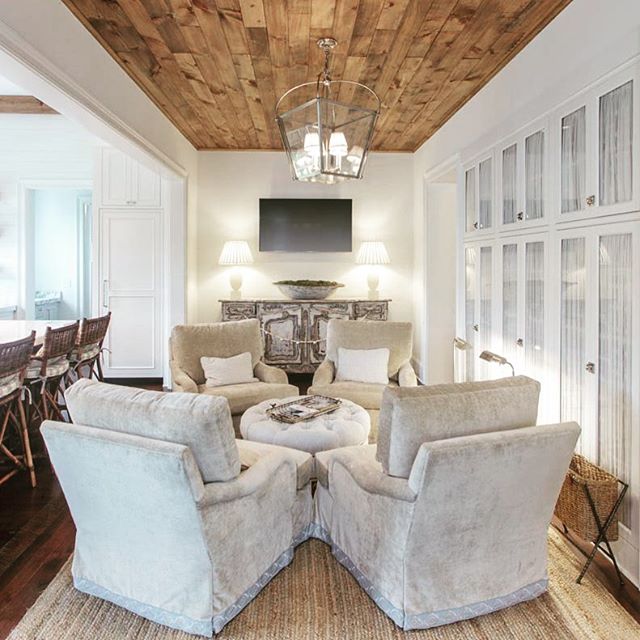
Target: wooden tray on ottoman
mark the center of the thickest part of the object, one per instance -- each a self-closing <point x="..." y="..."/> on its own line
<point x="306" y="408"/>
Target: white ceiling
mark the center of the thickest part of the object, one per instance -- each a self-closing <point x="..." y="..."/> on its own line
<point x="9" y="89"/>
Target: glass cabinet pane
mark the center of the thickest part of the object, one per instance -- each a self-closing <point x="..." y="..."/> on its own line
<point x="572" y="329"/>
<point x="509" y="301"/>
<point x="470" y="199"/>
<point x="534" y="175"/>
<point x="484" y="335"/>
<point x="573" y="161"/>
<point x="509" y="184"/>
<point x="485" y="194"/>
<point x="615" y="122"/>
<point x="534" y="307"/>
<point x="469" y="308"/>
<point x="614" y="379"/>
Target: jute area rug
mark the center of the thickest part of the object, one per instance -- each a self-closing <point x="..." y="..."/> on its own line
<point x="315" y="598"/>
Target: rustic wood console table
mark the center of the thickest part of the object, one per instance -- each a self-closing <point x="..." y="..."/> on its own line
<point x="295" y="330"/>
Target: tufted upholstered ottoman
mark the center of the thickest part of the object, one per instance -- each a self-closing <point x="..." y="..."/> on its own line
<point x="346" y="426"/>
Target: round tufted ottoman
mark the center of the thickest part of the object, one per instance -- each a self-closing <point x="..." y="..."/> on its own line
<point x="346" y="426"/>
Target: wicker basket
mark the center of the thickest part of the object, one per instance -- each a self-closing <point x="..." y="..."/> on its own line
<point x="573" y="507"/>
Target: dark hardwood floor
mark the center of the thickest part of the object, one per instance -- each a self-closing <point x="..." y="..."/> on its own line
<point x="37" y="536"/>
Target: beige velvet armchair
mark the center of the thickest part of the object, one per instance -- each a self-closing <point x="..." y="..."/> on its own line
<point x="188" y="343"/>
<point x="459" y="491"/>
<point x="176" y="520"/>
<point x="366" y="334"/>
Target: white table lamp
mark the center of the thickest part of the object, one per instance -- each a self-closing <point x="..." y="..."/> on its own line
<point x="235" y="253"/>
<point x="373" y="254"/>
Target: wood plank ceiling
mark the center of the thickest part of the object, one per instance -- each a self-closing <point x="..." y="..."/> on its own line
<point x="217" y="67"/>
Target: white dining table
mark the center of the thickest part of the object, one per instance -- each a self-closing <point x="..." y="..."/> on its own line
<point x="11" y="330"/>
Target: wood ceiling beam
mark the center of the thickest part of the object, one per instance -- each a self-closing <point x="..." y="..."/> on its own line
<point x="24" y="105"/>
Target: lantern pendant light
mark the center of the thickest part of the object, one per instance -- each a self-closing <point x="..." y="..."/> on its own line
<point x="327" y="136"/>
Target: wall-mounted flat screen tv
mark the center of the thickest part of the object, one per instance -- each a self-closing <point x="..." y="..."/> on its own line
<point x="295" y="225"/>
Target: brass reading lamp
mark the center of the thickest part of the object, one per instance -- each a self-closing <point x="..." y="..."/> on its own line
<point x="489" y="356"/>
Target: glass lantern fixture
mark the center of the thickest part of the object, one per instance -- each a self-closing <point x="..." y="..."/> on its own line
<point x="327" y="126"/>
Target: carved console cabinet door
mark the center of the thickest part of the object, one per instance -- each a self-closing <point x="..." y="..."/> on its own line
<point x="294" y="331"/>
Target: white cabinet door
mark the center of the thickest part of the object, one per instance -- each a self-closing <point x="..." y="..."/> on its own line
<point x="115" y="178"/>
<point x="131" y="277"/>
<point x="145" y="186"/>
<point x="524" y="178"/>
<point x="596" y="138"/>
<point x="599" y="357"/>
<point x="479" y="192"/>
<point x="479" y="301"/>
<point x="127" y="183"/>
<point x="521" y="327"/>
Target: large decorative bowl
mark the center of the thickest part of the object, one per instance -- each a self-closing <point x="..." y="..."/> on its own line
<point x="308" y="289"/>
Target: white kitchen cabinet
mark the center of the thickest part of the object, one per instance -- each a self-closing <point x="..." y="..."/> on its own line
<point x="127" y="183"/>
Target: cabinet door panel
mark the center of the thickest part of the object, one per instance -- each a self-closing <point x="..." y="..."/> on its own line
<point x="573" y="161"/>
<point x="145" y="186"/>
<point x="282" y="326"/>
<point x="572" y="330"/>
<point x="510" y="184"/>
<point x="115" y="179"/>
<point x="485" y="194"/>
<point x="470" y="199"/>
<point x="615" y="372"/>
<point x="469" y="310"/>
<point x="615" y="133"/>
<point x="510" y="302"/>
<point x="534" y="170"/>
<point x="319" y="316"/>
<point x="534" y="308"/>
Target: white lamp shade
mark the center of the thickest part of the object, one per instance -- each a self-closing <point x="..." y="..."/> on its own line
<point x="235" y="252"/>
<point x="338" y="144"/>
<point x="372" y="253"/>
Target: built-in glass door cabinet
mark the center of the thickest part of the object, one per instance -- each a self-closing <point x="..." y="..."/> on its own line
<point x="479" y="190"/>
<point x="599" y="356"/>
<point x="478" y="303"/>
<point x="597" y="136"/>
<point x="523" y="178"/>
<point x="523" y="308"/>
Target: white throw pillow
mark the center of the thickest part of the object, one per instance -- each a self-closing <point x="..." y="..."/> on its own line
<point x="363" y="365"/>
<point x="223" y="371"/>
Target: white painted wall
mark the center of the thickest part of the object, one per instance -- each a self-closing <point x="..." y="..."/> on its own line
<point x="230" y="185"/>
<point x="586" y="41"/>
<point x="34" y="148"/>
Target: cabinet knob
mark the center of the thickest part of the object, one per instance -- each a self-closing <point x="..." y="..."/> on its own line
<point x="476" y="327"/>
<point x="475" y="225"/>
<point x="591" y="200"/>
<point x="520" y="216"/>
<point x="520" y="342"/>
<point x="590" y="367"/>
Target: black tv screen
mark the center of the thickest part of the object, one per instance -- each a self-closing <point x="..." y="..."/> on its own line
<point x="288" y="224"/>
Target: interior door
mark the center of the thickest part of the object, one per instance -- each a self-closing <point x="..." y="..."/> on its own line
<point x="131" y="288"/>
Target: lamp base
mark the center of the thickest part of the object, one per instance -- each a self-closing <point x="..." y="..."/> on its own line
<point x="373" y="280"/>
<point x="235" y="282"/>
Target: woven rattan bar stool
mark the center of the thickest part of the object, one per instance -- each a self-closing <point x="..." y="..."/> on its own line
<point x="86" y="356"/>
<point x="14" y="360"/>
<point x="47" y="372"/>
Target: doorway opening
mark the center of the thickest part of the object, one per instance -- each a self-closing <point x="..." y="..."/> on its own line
<point x="57" y="252"/>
